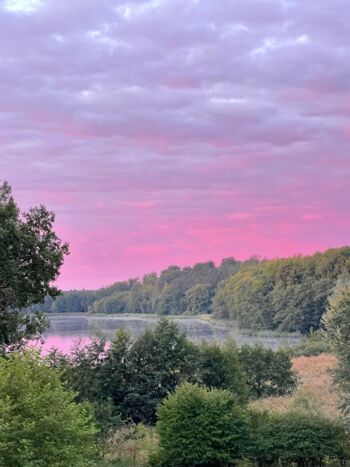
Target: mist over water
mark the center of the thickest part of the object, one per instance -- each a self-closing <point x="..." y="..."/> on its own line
<point x="66" y="329"/>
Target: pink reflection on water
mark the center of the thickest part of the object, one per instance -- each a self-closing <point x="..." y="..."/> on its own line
<point x="64" y="344"/>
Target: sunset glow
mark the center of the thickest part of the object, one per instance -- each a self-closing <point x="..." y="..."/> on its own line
<point x="175" y="131"/>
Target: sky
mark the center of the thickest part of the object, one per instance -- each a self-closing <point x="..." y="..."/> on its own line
<point x="168" y="132"/>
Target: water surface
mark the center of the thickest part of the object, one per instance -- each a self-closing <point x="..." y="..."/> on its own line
<point x="66" y="329"/>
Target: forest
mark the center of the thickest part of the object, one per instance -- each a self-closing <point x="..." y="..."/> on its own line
<point x="282" y="294"/>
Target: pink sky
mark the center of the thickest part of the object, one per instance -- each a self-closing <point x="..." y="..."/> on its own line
<point x="175" y="131"/>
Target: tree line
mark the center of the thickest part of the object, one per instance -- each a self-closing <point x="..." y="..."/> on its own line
<point x="175" y="290"/>
<point x="284" y="295"/>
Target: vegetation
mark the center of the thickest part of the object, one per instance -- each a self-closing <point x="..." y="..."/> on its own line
<point x="294" y="438"/>
<point x="221" y="367"/>
<point x="40" y="423"/>
<point x="128" y="380"/>
<point x="99" y="405"/>
<point x="129" y="446"/>
<point x="286" y="295"/>
<point x="316" y="343"/>
<point x="30" y="256"/>
<point x="337" y="325"/>
<point x="315" y="394"/>
<point x="175" y="291"/>
<point x="202" y="427"/>
<point x="268" y="373"/>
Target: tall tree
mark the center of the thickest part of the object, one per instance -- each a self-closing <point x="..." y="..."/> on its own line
<point x="31" y="255"/>
<point x="337" y="325"/>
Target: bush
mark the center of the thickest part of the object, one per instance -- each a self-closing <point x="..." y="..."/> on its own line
<point x="202" y="427"/>
<point x="40" y="424"/>
<point x="315" y="344"/>
<point x="297" y="438"/>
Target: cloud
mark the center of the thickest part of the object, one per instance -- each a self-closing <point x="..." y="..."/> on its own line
<point x="173" y="131"/>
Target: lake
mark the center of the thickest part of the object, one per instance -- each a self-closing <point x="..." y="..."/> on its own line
<point x="66" y="329"/>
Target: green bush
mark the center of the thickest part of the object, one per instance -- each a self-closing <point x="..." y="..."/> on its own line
<point x="40" y="424"/>
<point x="200" y="427"/>
<point x="315" y="344"/>
<point x="295" y="438"/>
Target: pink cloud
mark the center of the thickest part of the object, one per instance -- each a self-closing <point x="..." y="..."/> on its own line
<point x="178" y="131"/>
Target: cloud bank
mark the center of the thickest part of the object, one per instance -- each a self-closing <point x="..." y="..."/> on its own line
<point x="174" y="131"/>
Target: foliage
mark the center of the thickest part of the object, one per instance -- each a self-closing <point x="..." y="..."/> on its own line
<point x="145" y="371"/>
<point x="219" y="367"/>
<point x="314" y="344"/>
<point x="30" y="257"/>
<point x="202" y="427"/>
<point x="268" y="372"/>
<point x="198" y="299"/>
<point x="296" y="438"/>
<point x="129" y="379"/>
<point x="40" y="424"/>
<point x="337" y="325"/>
<point x="285" y="294"/>
<point x="174" y="291"/>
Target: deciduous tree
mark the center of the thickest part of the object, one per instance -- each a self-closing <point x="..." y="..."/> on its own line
<point x="31" y="255"/>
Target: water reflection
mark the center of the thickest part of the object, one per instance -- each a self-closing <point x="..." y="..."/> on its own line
<point x="66" y="329"/>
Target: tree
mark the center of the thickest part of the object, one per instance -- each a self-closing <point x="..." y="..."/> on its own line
<point x="337" y="326"/>
<point x="268" y="372"/>
<point x="198" y="299"/>
<point x="156" y="363"/>
<point x="31" y="255"/>
<point x="132" y="376"/>
<point x="219" y="367"/>
<point x="40" y="424"/>
<point x="202" y="427"/>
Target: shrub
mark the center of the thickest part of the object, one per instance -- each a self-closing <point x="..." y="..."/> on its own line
<point x="40" y="424"/>
<point x="297" y="438"/>
<point x="315" y="344"/>
<point x="201" y="427"/>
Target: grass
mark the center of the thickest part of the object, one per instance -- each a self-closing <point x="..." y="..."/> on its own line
<point x="315" y="393"/>
<point x="130" y="446"/>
